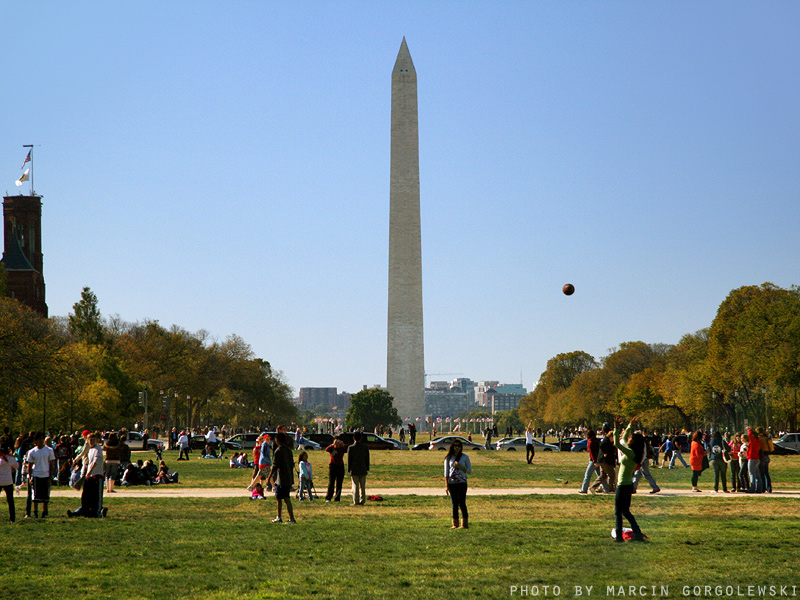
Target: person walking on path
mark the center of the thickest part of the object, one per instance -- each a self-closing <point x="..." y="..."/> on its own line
<point x="607" y="462"/>
<point x="358" y="467"/>
<point x="335" y="470"/>
<point x="632" y="452"/>
<point x="696" y="456"/>
<point x="282" y="473"/>
<point x="456" y="468"/>
<point x="676" y="453"/>
<point x="592" y="469"/>
<point x="644" y="469"/>
<point x="530" y="451"/>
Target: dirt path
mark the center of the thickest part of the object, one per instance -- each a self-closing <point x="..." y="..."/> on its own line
<point x="178" y="491"/>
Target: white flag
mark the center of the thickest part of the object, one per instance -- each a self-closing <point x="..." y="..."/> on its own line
<point x="23" y="177"/>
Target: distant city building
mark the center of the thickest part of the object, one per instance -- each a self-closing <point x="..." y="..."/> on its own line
<point x="481" y="389"/>
<point x="507" y="396"/>
<point x="464" y="384"/>
<point x="443" y="402"/>
<point x="311" y="398"/>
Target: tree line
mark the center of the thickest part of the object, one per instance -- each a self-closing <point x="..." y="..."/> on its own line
<point x="85" y="371"/>
<point x="745" y="367"/>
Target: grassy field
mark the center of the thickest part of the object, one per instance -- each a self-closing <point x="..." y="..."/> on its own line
<point x="160" y="548"/>
<point x="490" y="470"/>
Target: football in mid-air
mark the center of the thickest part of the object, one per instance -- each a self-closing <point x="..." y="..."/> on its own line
<point x="568" y="289"/>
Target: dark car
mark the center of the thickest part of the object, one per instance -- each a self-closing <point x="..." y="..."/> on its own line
<point x="566" y="443"/>
<point x="323" y="439"/>
<point x="373" y="442"/>
<point x="197" y="442"/>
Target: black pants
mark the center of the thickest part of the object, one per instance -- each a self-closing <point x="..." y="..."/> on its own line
<point x="92" y="497"/>
<point x="458" y="496"/>
<point x="530" y="451"/>
<point x="335" y="479"/>
<point x="622" y="508"/>
<point x="9" y="490"/>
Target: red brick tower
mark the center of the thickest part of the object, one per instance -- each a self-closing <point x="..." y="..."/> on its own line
<point x="22" y="255"/>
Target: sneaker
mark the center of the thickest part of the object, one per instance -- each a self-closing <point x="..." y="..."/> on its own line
<point x="277" y="520"/>
<point x="714" y="492"/>
<point x="105" y="512"/>
<point x="292" y="522"/>
<point x="70" y="514"/>
<point x="655" y="491"/>
<point x="582" y="492"/>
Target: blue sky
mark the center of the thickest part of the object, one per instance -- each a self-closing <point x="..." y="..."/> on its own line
<point x="225" y="166"/>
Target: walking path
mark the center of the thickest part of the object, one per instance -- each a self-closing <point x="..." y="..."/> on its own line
<point x="178" y="491"/>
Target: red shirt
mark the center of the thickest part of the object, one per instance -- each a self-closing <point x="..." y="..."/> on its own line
<point x="337" y="455"/>
<point x="696" y="456"/>
<point x="753" y="445"/>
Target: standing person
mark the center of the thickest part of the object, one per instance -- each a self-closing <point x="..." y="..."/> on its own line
<point x="8" y="464"/>
<point x="173" y="438"/>
<point x="754" y="462"/>
<point x="92" y="471"/>
<point x="358" y="467"/>
<point x="666" y="449"/>
<point x="335" y="470"/>
<point x="183" y="446"/>
<point x="644" y="469"/>
<point x="63" y="452"/>
<point x="735" y="445"/>
<point x="282" y="472"/>
<point x="607" y="462"/>
<point x="530" y="451"/>
<point x="744" y="478"/>
<point x="592" y="469"/>
<point x="412" y="435"/>
<point x="263" y="462"/>
<point x="456" y="468"/>
<point x="488" y="442"/>
<point x="113" y="452"/>
<point x="211" y="438"/>
<point x="696" y="458"/>
<point x="676" y="451"/>
<point x="767" y="446"/>
<point x="720" y="456"/>
<point x="306" y="476"/>
<point x="632" y="452"/>
<point x="42" y="468"/>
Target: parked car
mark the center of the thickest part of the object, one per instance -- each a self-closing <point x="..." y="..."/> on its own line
<point x="307" y="444"/>
<point x="421" y="446"/>
<point x="580" y="446"/>
<point x="400" y="445"/>
<point x="323" y="439"/>
<point x="198" y="442"/>
<point x="788" y="444"/>
<point x="443" y="443"/>
<point x="135" y="441"/>
<point x="519" y="444"/>
<point x="242" y="441"/>
<point x="566" y="443"/>
<point x="373" y="442"/>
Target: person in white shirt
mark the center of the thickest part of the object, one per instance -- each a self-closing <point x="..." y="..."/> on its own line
<point x="183" y="446"/>
<point x="8" y="464"/>
<point x="42" y="467"/>
<point x="530" y="451"/>
<point x="93" y="473"/>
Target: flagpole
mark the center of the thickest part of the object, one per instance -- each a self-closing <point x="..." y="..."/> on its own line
<point x="31" y="153"/>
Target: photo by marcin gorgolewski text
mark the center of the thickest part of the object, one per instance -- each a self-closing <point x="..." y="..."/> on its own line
<point x="655" y="591"/>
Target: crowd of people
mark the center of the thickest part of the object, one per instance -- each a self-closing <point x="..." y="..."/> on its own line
<point x="92" y="463"/>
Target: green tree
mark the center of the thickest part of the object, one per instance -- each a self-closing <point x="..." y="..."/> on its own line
<point x="85" y="322"/>
<point x="370" y="408"/>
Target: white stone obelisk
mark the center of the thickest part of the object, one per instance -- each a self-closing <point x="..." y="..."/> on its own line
<point x="405" y="370"/>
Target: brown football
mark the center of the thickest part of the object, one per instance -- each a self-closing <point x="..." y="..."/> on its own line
<point x="568" y="289"/>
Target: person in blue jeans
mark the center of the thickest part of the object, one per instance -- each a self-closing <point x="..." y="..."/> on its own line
<point x="676" y="453"/>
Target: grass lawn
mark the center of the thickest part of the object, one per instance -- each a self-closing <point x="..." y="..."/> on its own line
<point x="402" y="547"/>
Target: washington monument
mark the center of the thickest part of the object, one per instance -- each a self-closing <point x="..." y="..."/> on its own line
<point x="405" y="370"/>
